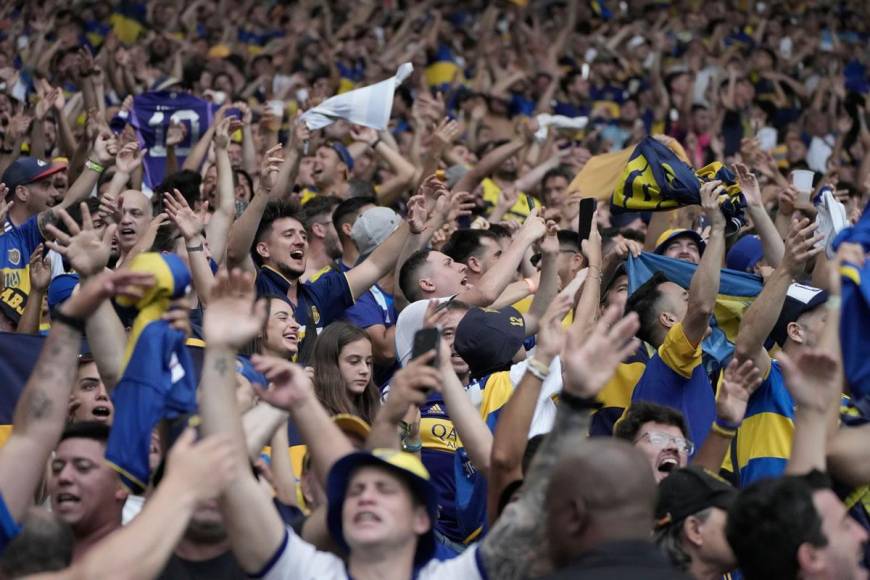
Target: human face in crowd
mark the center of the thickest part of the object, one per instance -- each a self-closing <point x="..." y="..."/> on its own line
<point x="285" y="247"/>
<point x="664" y="447"/>
<point x="89" y="400"/>
<point x="380" y="512"/>
<point x="136" y="216"/>
<point x="355" y="365"/>
<point x="707" y="534"/>
<point x="305" y="176"/>
<point x="282" y="331"/>
<point x="327" y="165"/>
<point x="464" y="154"/>
<point x="448" y="332"/>
<point x="61" y="182"/>
<point x="41" y="195"/>
<point x="442" y="276"/>
<point x="234" y="150"/>
<point x="85" y="492"/>
<point x="675" y="303"/>
<point x="842" y="557"/>
<point x="568" y="262"/>
<point x="617" y="293"/>
<point x="808" y="328"/>
<point x="488" y="255"/>
<point x="553" y="190"/>
<point x="209" y="184"/>
<point x="684" y="248"/>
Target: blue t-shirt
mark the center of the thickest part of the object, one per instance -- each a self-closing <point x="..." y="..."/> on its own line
<point x="674" y="377"/>
<point x="8" y="527"/>
<point x="16" y="245"/>
<point x="325" y="299"/>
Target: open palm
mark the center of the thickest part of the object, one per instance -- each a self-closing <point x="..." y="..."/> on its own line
<point x="86" y="248"/>
<point x="234" y="316"/>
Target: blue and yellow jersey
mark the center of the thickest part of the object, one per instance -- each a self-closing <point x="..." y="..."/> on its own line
<point x="674" y="377"/>
<point x="16" y="245"/>
<point x="616" y="394"/>
<point x="763" y="443"/>
<point x="520" y="210"/>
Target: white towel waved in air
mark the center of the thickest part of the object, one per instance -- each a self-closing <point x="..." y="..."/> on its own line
<point x="368" y="106"/>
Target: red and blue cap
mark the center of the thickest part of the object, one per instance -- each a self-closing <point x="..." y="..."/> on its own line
<point x="26" y="170"/>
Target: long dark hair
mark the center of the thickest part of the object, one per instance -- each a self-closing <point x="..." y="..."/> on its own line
<point x="328" y="382"/>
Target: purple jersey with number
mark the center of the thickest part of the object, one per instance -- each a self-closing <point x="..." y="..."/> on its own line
<point x="151" y="115"/>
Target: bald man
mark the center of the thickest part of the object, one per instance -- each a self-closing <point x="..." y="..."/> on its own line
<point x="600" y="506"/>
<point x="136" y="216"/>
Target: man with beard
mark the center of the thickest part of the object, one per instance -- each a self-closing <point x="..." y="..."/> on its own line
<point x="331" y="169"/>
<point x="324" y="249"/>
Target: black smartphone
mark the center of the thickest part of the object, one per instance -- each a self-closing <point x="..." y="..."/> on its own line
<point x="587" y="211"/>
<point x="427" y="339"/>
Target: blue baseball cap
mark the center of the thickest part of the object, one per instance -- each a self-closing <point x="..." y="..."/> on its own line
<point x="745" y="254"/>
<point x="26" y="170"/>
<point x="406" y="466"/>
<point x="488" y="339"/>
<point x="343" y="154"/>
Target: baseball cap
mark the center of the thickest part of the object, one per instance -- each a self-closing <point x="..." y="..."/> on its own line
<point x="12" y="301"/>
<point x="27" y="170"/>
<point x="454" y="173"/>
<point x="689" y="490"/>
<point x="488" y="339"/>
<point x="164" y="83"/>
<point x="612" y="276"/>
<point x="406" y="466"/>
<point x="372" y="227"/>
<point x="343" y="154"/>
<point x="352" y="424"/>
<point x="745" y="254"/>
<point x="798" y="300"/>
<point x="670" y="235"/>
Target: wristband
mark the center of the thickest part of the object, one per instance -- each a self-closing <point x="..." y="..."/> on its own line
<point x="727" y="433"/>
<point x="198" y="248"/>
<point x="412" y="446"/>
<point x="77" y="324"/>
<point x="538" y="366"/>
<point x="727" y="425"/>
<point x="578" y="403"/>
<point x="94" y="166"/>
<point x="536" y="373"/>
<point x="533" y="286"/>
<point x="375" y="144"/>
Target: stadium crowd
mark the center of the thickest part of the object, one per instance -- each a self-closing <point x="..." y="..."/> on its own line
<point x="314" y="289"/>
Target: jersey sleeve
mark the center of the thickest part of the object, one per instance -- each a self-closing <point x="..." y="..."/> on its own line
<point x="468" y="566"/>
<point x="296" y="558"/>
<point x="8" y="527"/>
<point x="678" y="353"/>
<point x="331" y="295"/>
<point x="366" y="312"/>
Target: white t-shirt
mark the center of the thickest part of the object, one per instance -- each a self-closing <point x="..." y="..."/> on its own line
<point x="296" y="559"/>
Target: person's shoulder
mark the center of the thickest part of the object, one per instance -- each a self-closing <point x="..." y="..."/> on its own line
<point x="468" y="566"/>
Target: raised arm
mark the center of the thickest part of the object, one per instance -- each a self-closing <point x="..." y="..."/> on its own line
<point x="191" y="227"/>
<point x="40" y="278"/>
<point x="761" y="317"/>
<point x="705" y="282"/>
<point x="231" y="320"/>
<point x="771" y="241"/>
<point x="512" y="547"/>
<point x="548" y="286"/>
<point x="41" y="412"/>
<point x="380" y="262"/>
<point x="488" y="164"/>
<point x="848" y="455"/>
<point x="196" y="472"/>
<point x="218" y="228"/>
<point x="496" y="279"/>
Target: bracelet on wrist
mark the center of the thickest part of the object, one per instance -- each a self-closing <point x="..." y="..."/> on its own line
<point x="834" y="302"/>
<point x="197" y="248"/>
<point x="727" y="425"/>
<point x="727" y="433"/>
<point x="94" y="166"/>
<point x="539" y="369"/>
<point x="77" y="324"/>
<point x="375" y="144"/>
<point x="412" y="446"/>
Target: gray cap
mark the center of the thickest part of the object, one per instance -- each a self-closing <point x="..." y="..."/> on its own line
<point x="372" y="227"/>
<point x="454" y="173"/>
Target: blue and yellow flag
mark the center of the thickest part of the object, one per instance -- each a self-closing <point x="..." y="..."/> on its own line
<point x="656" y="179"/>
<point x="737" y="290"/>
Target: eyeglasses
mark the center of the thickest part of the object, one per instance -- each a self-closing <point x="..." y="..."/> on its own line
<point x="660" y="439"/>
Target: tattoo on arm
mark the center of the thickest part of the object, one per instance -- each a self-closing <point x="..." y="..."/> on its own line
<point x="512" y="547"/>
<point x="221" y="366"/>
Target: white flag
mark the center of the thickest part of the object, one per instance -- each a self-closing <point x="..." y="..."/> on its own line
<point x="368" y="106"/>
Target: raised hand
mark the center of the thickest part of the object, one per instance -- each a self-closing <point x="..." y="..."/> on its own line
<point x="549" y="244"/>
<point x="129" y="158"/>
<point x="205" y="467"/>
<point x="786" y="199"/>
<point x="105" y="147"/>
<point x="446" y="133"/>
<point x="534" y="228"/>
<point x="234" y="316"/>
<point x="175" y="133"/>
<point x="180" y="213"/>
<point x="93" y="292"/>
<point x="223" y="130"/>
<point x="411" y="385"/>
<point x="289" y="384"/>
<point x="748" y="184"/>
<point x="508" y="197"/>
<point x="738" y="384"/>
<point x="459" y="204"/>
<point x="40" y="269"/>
<point x="418" y="214"/>
<point x="710" y="193"/>
<point x="588" y="365"/>
<point x="800" y="245"/>
<point x="813" y="379"/>
<point x="365" y="135"/>
<point x="551" y="334"/>
<point x="591" y="247"/>
<point x="86" y="248"/>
